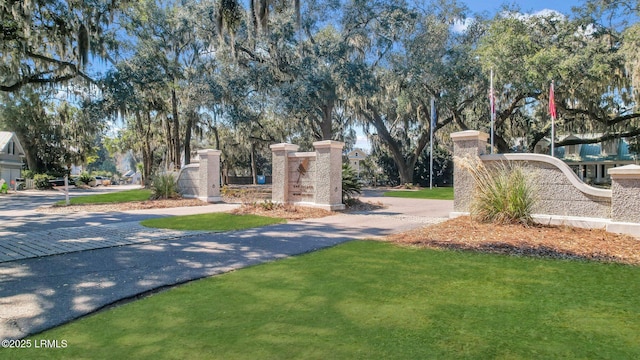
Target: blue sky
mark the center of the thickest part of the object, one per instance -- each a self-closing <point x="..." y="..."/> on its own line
<point x="528" y="6"/>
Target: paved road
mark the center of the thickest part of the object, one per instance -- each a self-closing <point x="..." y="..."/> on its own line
<point x="43" y="292"/>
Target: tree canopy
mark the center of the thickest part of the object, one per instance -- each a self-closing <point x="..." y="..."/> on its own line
<point x="241" y="75"/>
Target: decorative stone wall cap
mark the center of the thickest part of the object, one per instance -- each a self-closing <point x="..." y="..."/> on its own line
<point x="328" y="144"/>
<point x="302" y="154"/>
<point x="561" y="165"/>
<point x="209" y="152"/>
<point x="284" y="147"/>
<point x="627" y="171"/>
<point x="469" y="135"/>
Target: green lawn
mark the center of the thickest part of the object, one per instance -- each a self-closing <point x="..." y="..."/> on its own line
<point x="374" y="300"/>
<point x="439" y="193"/>
<point x="211" y="222"/>
<point x="113" y="197"/>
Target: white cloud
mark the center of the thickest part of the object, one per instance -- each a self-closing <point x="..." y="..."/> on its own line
<point x="544" y="13"/>
<point x="363" y="143"/>
<point x="461" y="25"/>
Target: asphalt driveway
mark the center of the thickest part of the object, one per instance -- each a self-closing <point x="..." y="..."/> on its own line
<point x="42" y="292"/>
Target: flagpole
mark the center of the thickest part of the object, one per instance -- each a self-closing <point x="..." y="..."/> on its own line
<point x="493" y="111"/>
<point x="552" y="111"/>
<point x="433" y="124"/>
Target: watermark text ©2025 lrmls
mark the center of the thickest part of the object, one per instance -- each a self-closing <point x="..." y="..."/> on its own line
<point x="33" y="344"/>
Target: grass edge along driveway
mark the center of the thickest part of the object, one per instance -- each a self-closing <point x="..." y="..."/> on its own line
<point x="109" y="198"/>
<point x="437" y="193"/>
<point x="370" y="300"/>
<point x="211" y="222"/>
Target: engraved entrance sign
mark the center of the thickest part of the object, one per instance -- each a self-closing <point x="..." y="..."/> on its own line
<point x="308" y="178"/>
<point x="302" y="174"/>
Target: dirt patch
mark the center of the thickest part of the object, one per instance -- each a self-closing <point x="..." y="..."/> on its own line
<point x="543" y="241"/>
<point x="133" y="205"/>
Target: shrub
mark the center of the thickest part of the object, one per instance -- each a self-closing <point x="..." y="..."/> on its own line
<point x="164" y="186"/>
<point x="268" y="205"/>
<point x="28" y="174"/>
<point x="350" y="183"/>
<point x="41" y="181"/>
<point x="503" y="194"/>
<point x="85" y="178"/>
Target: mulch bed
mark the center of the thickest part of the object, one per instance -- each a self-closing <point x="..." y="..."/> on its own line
<point x="562" y="242"/>
<point x="289" y="212"/>
<point x="133" y="205"/>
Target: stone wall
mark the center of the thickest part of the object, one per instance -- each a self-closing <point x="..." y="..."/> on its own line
<point x="188" y="181"/>
<point x="562" y="198"/>
<point x="559" y="190"/>
<point x="202" y="180"/>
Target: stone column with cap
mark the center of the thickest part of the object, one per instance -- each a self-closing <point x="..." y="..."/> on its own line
<point x="209" y="176"/>
<point x="280" y="171"/>
<point x="625" y="193"/>
<point x="470" y="143"/>
<point x="329" y="174"/>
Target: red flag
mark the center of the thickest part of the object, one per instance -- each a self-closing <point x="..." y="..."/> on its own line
<point x="552" y="102"/>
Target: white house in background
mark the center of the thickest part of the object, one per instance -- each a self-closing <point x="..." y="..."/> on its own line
<point x="11" y="154"/>
<point x="355" y="157"/>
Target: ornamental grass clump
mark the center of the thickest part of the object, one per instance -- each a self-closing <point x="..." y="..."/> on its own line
<point x="164" y="186"/>
<point x="504" y="193"/>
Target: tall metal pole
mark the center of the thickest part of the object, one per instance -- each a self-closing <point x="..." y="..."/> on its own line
<point x="552" y="110"/>
<point x="493" y="110"/>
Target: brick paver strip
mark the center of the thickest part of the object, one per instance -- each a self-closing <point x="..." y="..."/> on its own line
<point x="65" y="240"/>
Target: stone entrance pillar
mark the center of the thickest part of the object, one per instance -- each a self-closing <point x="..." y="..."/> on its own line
<point x="625" y="193"/>
<point x="329" y="174"/>
<point x="280" y="171"/>
<point x="465" y="143"/>
<point x="209" y="176"/>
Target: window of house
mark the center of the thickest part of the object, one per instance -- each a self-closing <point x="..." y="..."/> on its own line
<point x="610" y="147"/>
<point x="572" y="150"/>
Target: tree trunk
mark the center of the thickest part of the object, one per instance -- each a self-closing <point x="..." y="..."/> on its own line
<point x="147" y="154"/>
<point x="254" y="169"/>
<point x="225" y="173"/>
<point x="176" y="128"/>
<point x="32" y="163"/>
<point x="167" y="134"/>
<point x="148" y="168"/>
<point x="187" y="138"/>
<point x="405" y="165"/>
<point x="325" y="125"/>
<point x="216" y="137"/>
<point x="406" y="171"/>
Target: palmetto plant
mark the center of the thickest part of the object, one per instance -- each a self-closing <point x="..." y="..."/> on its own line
<point x="350" y="183"/>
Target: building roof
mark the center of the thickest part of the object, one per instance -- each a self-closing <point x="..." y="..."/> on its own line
<point x="593" y="152"/>
<point x="5" y="139"/>
<point x="357" y="154"/>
